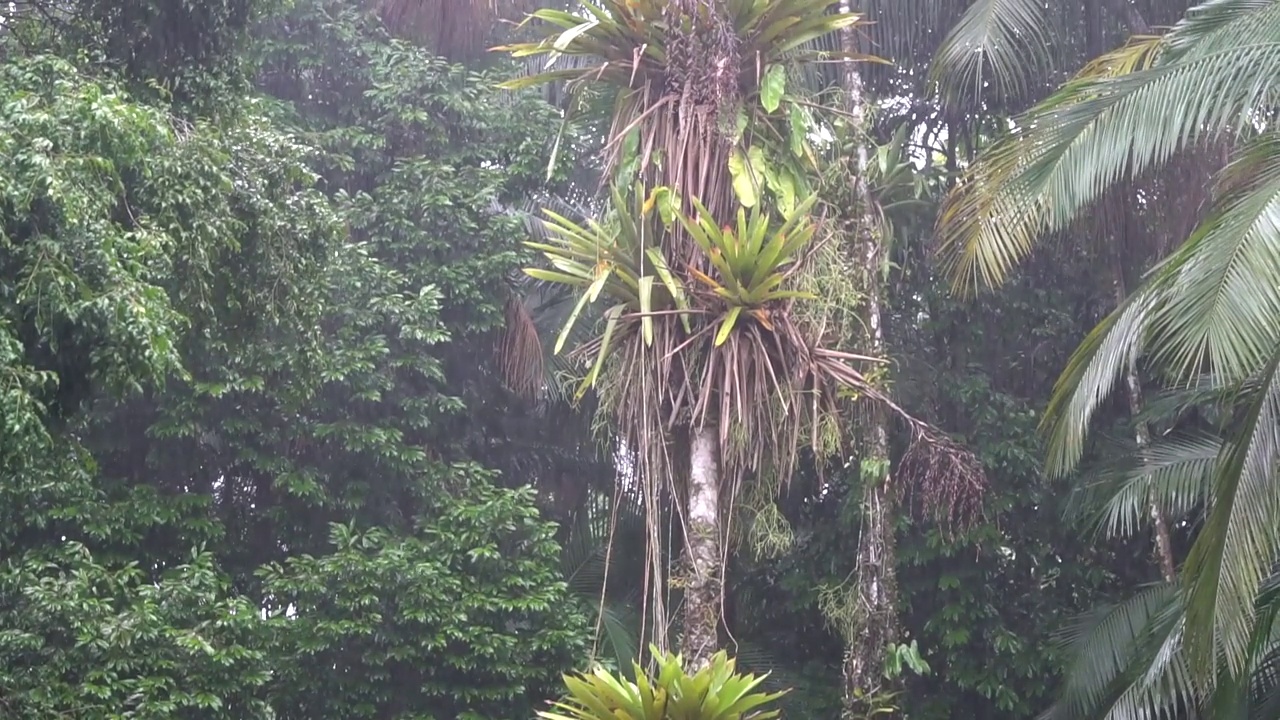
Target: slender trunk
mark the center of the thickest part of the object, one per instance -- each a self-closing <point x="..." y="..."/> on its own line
<point x="875" y="619"/>
<point x="1142" y="433"/>
<point x="705" y="585"/>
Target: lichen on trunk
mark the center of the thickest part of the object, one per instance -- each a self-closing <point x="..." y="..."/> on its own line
<point x="874" y="616"/>
<point x="705" y="584"/>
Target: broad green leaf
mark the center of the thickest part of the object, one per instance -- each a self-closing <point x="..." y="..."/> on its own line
<point x="667" y="202"/>
<point x="745" y="182"/>
<point x="799" y="126"/>
<point x="773" y="86"/>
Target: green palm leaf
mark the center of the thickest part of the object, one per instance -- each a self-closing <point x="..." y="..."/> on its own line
<point x="1091" y="374"/>
<point x="1172" y="473"/>
<point x="1224" y="299"/>
<point x="1000" y="40"/>
<point x="1119" y="649"/>
<point x="1066" y="152"/>
<point x="1238" y="545"/>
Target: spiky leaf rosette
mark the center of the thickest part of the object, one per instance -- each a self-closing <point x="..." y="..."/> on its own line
<point x="717" y="691"/>
<point x="725" y="344"/>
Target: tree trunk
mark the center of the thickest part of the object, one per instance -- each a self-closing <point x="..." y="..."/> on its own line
<point x="1142" y="433"/>
<point x="875" y="620"/>
<point x="874" y="623"/>
<point x="705" y="585"/>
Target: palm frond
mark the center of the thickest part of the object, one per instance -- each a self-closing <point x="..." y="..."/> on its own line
<point x="1131" y="663"/>
<point x="520" y="357"/>
<point x="1125" y="660"/>
<point x="1216" y="25"/>
<point x="1173" y="473"/>
<point x="1239" y="541"/>
<point x="1224" y="297"/>
<point x="996" y="42"/>
<point x="1091" y="375"/>
<point x="1238" y="545"/>
<point x="1066" y="152"/>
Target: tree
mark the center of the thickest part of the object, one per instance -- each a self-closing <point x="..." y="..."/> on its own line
<point x="675" y="89"/>
<point x="706" y="322"/>
<point x="1204" y="318"/>
<point x="957" y="68"/>
<point x="230" y="331"/>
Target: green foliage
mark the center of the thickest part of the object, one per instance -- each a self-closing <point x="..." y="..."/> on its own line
<point x="121" y="231"/>
<point x="985" y="601"/>
<point x="715" y="691"/>
<point x="468" y="616"/>
<point x="237" y="330"/>
<point x="190" y="53"/>
<point x="84" y="640"/>
<point x="252" y="258"/>
<point x="1206" y="317"/>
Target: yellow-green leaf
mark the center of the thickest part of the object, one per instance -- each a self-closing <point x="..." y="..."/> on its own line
<point x="566" y="38"/>
<point x="668" y="203"/>
<point x="555" y="277"/>
<point x="726" y="326"/>
<point x="673" y="286"/>
<point x="646" y="307"/>
<point x="612" y="316"/>
<point x="602" y="277"/>
<point x="745" y="182"/>
<point x="771" y="89"/>
<point x="568" y="324"/>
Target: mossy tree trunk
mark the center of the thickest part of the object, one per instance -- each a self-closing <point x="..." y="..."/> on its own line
<point x="875" y="619"/>
<point x="705" y="585"/>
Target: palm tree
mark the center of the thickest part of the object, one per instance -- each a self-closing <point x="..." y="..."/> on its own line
<point x="984" y="31"/>
<point x="1208" y="317"/>
<point x="711" y="364"/>
<point x="967" y="46"/>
